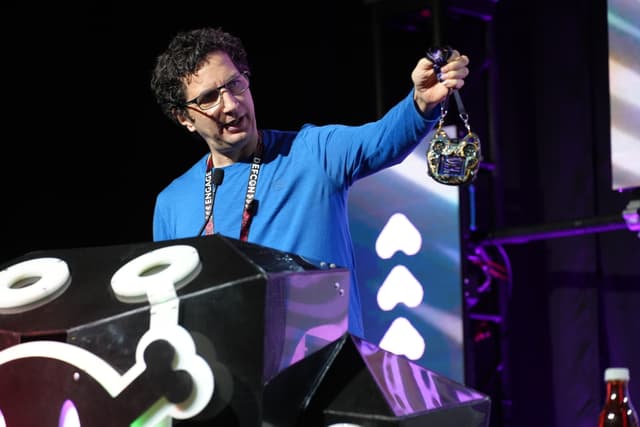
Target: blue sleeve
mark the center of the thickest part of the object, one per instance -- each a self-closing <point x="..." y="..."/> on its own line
<point x="350" y="153"/>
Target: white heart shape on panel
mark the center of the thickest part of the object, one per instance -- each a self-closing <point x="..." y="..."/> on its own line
<point x="398" y="234"/>
<point x="400" y="286"/>
<point x="403" y="339"/>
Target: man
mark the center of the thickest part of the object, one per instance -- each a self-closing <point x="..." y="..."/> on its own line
<point x="286" y="190"/>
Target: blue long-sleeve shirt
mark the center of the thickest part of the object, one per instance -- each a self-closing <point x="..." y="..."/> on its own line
<point x="302" y="189"/>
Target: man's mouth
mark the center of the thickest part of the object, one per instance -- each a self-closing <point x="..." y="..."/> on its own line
<point x="233" y="123"/>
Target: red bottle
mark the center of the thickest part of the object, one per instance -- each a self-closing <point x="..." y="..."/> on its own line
<point x="618" y="411"/>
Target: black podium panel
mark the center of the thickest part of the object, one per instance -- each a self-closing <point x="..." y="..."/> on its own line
<point x="358" y="384"/>
<point x="390" y="390"/>
<point x="201" y="332"/>
<point x="217" y="320"/>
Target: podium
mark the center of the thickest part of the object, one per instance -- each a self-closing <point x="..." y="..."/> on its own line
<point x="201" y="331"/>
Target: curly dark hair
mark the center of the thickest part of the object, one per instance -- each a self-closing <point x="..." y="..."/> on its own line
<point x="184" y="56"/>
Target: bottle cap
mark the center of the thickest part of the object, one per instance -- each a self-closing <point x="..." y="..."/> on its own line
<point x="611" y="374"/>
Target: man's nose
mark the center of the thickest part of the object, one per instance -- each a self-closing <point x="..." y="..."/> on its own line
<point x="228" y="100"/>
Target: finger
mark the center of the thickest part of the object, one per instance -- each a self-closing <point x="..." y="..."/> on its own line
<point x="459" y="73"/>
<point x="425" y="63"/>
<point x="459" y="62"/>
<point x="453" y="84"/>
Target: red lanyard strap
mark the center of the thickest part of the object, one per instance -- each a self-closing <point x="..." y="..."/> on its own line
<point x="209" y="194"/>
<point x="250" y="203"/>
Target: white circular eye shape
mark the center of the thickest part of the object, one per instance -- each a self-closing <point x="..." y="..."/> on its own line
<point x="177" y="264"/>
<point x="32" y="283"/>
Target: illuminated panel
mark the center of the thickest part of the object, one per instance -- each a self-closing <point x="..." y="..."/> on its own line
<point x="406" y="236"/>
<point x="624" y="90"/>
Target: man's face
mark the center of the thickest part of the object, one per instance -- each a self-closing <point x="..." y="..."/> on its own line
<point x="220" y="107"/>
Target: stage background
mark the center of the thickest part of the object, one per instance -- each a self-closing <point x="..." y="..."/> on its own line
<point x="85" y="150"/>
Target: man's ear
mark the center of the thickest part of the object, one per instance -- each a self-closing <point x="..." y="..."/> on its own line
<point x="184" y="119"/>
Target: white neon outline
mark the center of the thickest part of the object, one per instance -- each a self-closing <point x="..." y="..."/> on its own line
<point x="130" y="286"/>
<point x="114" y="383"/>
<point x="53" y="274"/>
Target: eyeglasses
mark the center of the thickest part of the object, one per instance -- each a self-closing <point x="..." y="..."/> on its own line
<point x="211" y="98"/>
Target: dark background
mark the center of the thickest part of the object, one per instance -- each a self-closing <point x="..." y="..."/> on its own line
<point x="85" y="150"/>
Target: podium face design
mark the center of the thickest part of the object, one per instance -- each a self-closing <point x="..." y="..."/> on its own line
<point x="187" y="332"/>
